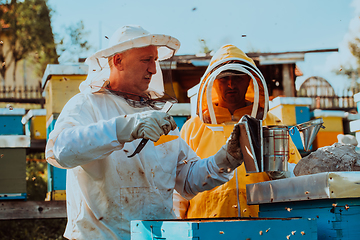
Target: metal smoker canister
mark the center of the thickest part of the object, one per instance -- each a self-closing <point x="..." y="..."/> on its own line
<point x="276" y="148"/>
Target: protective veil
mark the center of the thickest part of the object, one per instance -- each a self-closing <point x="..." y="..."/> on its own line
<point x="105" y="189"/>
<point x="207" y="132"/>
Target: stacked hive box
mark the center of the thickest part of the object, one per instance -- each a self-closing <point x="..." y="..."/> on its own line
<point x="292" y="111"/>
<point x="332" y="198"/>
<point x="333" y="123"/>
<point x="13" y="144"/>
<point x="60" y="82"/>
<point x="35" y="127"/>
<point x="355" y="125"/>
<point x="34" y="122"/>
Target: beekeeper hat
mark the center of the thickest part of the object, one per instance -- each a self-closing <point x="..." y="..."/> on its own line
<point x="123" y="39"/>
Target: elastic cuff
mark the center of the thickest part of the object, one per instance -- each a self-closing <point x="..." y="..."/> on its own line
<point x="224" y="160"/>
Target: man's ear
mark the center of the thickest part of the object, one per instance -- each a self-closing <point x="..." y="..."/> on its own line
<point x="117" y="61"/>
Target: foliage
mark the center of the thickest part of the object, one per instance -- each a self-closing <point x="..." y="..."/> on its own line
<point x="36" y="179"/>
<point x="29" y="31"/>
<point x="350" y="71"/>
<point x="74" y="43"/>
<point x="28" y="28"/>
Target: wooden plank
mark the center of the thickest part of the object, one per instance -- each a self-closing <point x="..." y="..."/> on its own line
<point x="32" y="209"/>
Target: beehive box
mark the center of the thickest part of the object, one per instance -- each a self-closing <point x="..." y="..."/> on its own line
<point x="12" y="173"/>
<point x="10" y="121"/>
<point x="13" y="144"/>
<point x="61" y="82"/>
<point x="291" y="110"/>
<point x="229" y="229"/>
<point x="333" y="198"/>
<point x="35" y="123"/>
<point x="333" y="123"/>
<point x="180" y="112"/>
<point x="56" y="176"/>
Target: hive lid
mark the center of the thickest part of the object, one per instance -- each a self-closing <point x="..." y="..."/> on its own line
<point x="325" y="185"/>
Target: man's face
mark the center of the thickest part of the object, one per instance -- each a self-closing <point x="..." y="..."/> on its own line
<point x="232" y="90"/>
<point x="136" y="69"/>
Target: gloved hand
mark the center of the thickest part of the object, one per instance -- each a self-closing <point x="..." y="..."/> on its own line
<point x="149" y="125"/>
<point x="230" y="155"/>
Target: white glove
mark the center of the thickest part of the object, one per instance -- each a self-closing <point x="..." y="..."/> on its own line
<point x="149" y="125"/>
<point x="230" y="155"/>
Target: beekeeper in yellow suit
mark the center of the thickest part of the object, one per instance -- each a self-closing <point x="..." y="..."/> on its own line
<point x="231" y="87"/>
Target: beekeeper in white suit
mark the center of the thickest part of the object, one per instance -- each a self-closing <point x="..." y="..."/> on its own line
<point x="102" y="125"/>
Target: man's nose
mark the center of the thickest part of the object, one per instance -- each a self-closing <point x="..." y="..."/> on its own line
<point x="152" y="67"/>
<point x="231" y="83"/>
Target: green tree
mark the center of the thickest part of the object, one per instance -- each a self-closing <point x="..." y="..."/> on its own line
<point x="28" y="28"/>
<point x="29" y="31"/>
<point x="350" y="71"/>
<point x="74" y="43"/>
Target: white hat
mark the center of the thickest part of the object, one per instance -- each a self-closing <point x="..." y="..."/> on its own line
<point x="123" y="39"/>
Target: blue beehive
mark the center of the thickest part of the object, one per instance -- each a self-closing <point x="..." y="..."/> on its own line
<point x="60" y="83"/>
<point x="10" y="121"/>
<point x="13" y="144"/>
<point x="56" y="176"/>
<point x="333" y="198"/>
<point x="180" y="112"/>
<point x="229" y="229"/>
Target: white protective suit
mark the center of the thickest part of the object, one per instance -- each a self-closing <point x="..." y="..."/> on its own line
<point x="105" y="189"/>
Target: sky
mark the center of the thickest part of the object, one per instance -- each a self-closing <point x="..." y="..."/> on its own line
<point x="268" y="26"/>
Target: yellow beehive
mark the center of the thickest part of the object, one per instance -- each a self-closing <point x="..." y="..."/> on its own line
<point x="56" y="195"/>
<point x="333" y="120"/>
<point x="324" y="138"/>
<point x="35" y="123"/>
<point x="333" y="123"/>
<point x="61" y="82"/>
<point x="285" y="108"/>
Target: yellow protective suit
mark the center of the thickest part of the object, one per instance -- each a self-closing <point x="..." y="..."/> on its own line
<point x="207" y="135"/>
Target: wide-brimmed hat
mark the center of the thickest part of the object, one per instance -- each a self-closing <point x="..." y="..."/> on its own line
<point x="125" y="38"/>
<point x="129" y="37"/>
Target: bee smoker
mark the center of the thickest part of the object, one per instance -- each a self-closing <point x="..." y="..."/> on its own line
<point x="266" y="148"/>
